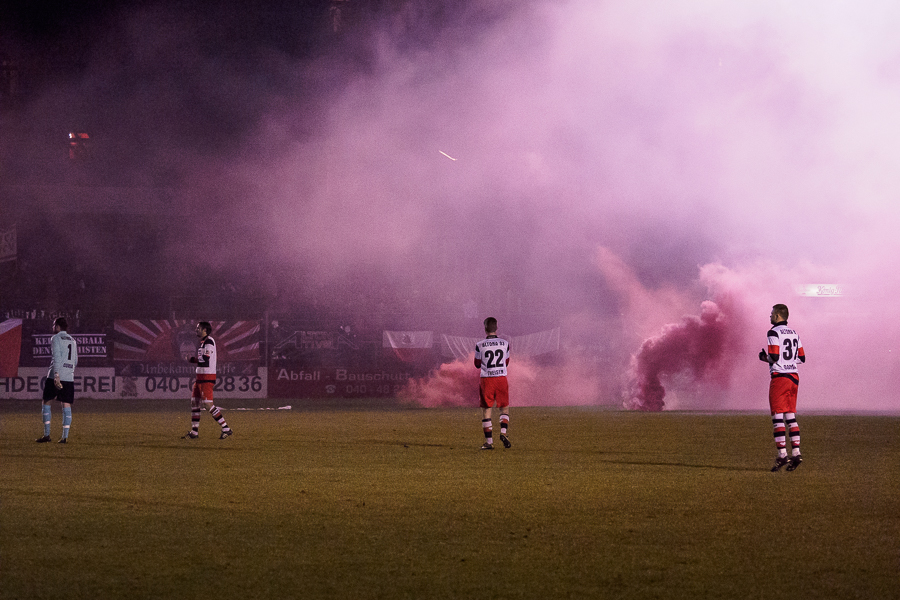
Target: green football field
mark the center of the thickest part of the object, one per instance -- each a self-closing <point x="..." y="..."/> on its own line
<point x="401" y="503"/>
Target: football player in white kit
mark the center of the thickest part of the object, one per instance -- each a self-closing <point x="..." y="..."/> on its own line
<point x="783" y="354"/>
<point x="492" y="357"/>
<point x="202" y="391"/>
<point x="60" y="383"/>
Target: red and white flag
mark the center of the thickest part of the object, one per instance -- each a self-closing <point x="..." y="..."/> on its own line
<point x="10" y="347"/>
<point x="409" y="346"/>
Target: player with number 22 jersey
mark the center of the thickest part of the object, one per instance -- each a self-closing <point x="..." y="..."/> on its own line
<point x="493" y="354"/>
<point x="492" y="357"/>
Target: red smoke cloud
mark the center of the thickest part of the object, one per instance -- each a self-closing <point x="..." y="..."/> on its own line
<point x="567" y="383"/>
<point x="453" y="384"/>
<point x="699" y="350"/>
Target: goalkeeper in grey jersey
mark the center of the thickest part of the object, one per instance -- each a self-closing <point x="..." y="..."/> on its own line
<point x="60" y="383"/>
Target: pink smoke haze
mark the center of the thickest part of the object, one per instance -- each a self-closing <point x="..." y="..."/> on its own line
<point x="630" y="160"/>
<point x="651" y="177"/>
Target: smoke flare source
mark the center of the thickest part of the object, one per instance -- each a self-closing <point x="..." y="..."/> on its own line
<point x="453" y="384"/>
<point x="696" y="348"/>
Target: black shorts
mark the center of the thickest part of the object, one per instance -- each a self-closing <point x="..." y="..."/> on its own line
<point x="66" y="394"/>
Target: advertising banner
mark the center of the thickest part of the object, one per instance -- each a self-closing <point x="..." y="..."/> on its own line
<point x="36" y="334"/>
<point x="161" y="347"/>
<point x="290" y="341"/>
<point x="105" y="384"/>
<point x="290" y="381"/>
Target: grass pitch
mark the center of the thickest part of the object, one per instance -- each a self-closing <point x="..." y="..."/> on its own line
<point x="401" y="504"/>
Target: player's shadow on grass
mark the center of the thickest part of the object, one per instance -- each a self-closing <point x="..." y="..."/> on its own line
<point x="62" y="455"/>
<point x="126" y="501"/>
<point x="407" y="444"/>
<point x="679" y="464"/>
<point x="619" y="457"/>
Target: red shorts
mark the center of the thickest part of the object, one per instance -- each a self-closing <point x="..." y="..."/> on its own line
<point x="494" y="391"/>
<point x="203" y="390"/>
<point x="782" y="395"/>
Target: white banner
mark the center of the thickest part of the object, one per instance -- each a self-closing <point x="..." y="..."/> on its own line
<point x="533" y="344"/>
<point x="103" y="383"/>
<point x="457" y="346"/>
<point x="820" y="290"/>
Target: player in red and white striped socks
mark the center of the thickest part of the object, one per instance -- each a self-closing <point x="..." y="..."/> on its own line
<point x="492" y="357"/>
<point x="202" y="391"/>
<point x="783" y="354"/>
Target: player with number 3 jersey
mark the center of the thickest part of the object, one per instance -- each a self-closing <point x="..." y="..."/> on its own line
<point x="784" y="352"/>
<point x="785" y="348"/>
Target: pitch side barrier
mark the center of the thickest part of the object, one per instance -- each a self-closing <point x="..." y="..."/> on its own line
<point x="146" y="359"/>
<point x="104" y="384"/>
<point x="281" y="381"/>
